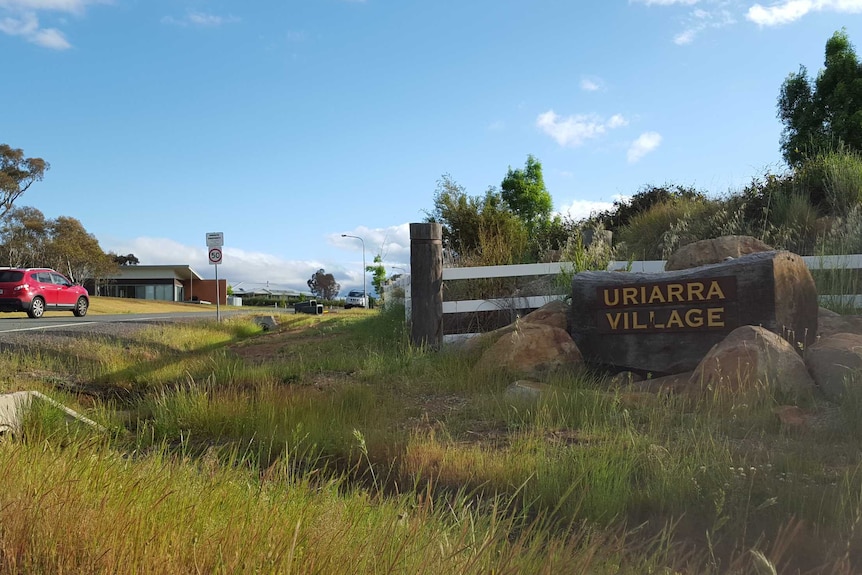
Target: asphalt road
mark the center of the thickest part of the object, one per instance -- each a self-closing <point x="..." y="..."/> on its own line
<point x="11" y="323"/>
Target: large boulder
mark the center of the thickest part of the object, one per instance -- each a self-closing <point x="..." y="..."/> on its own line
<point x="835" y="362"/>
<point x="714" y="250"/>
<point x="554" y="314"/>
<point x="829" y="323"/>
<point x="532" y="349"/>
<point x="752" y="356"/>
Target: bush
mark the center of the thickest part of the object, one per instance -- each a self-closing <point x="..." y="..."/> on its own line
<point x="659" y="231"/>
<point x="843" y="182"/>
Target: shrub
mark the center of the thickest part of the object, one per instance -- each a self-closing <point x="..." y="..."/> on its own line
<point x="843" y="182"/>
<point x="659" y="231"/>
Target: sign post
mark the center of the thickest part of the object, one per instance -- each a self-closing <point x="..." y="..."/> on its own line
<point x="215" y="242"/>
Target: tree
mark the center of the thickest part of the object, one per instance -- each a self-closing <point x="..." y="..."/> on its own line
<point x="127" y="260"/>
<point x="27" y="239"/>
<point x="17" y="173"/>
<point x="525" y="193"/>
<point x="503" y="236"/>
<point x="482" y="230"/>
<point x="323" y="285"/>
<point x="459" y="215"/>
<point x="75" y="252"/>
<point x="24" y="238"/>
<point x="378" y="276"/>
<point x="822" y="114"/>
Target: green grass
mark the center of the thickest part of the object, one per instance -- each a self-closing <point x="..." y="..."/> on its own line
<point x="343" y="449"/>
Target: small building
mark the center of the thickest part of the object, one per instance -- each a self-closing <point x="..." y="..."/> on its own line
<point x="159" y="282"/>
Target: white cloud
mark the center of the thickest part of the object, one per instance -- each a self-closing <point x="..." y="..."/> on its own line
<point x="20" y="18"/>
<point x="200" y="19"/>
<point x="591" y="84"/>
<point x="583" y="209"/>
<point x="699" y="20"/>
<point x="617" y="121"/>
<point x="51" y="38"/>
<point x="575" y="130"/>
<point x="392" y="243"/>
<point x="71" y="6"/>
<point x="646" y="143"/>
<point x="685" y="37"/>
<point x="666" y="2"/>
<point x="27" y="27"/>
<point x="787" y="11"/>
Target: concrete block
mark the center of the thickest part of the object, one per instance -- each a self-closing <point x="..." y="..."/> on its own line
<point x="267" y="322"/>
<point x="12" y="409"/>
<point x="14" y="406"/>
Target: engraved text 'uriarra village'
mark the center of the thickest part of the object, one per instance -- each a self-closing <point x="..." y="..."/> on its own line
<point x="667" y="306"/>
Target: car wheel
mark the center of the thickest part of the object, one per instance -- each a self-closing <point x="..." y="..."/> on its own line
<point x="81" y="307"/>
<point x="347" y="307"/>
<point x="37" y="307"/>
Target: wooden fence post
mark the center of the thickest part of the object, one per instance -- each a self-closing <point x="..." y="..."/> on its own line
<point x="426" y="284"/>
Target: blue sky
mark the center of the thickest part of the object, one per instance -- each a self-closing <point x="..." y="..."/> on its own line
<point x="284" y="124"/>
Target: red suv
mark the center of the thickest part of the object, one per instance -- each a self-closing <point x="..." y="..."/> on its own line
<point x="37" y="290"/>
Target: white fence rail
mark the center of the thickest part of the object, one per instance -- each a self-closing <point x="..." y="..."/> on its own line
<point x="853" y="261"/>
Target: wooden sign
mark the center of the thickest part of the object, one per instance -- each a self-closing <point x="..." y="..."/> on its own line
<point x="666" y="322"/>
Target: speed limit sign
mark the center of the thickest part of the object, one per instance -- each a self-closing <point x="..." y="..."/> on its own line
<point x="215" y="256"/>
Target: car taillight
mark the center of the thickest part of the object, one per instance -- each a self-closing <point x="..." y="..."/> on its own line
<point x="24" y="287"/>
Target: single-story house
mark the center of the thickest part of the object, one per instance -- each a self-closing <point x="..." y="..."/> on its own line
<point x="163" y="282"/>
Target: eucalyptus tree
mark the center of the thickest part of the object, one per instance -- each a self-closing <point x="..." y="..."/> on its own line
<point x="17" y="174"/>
<point x="823" y="114"/>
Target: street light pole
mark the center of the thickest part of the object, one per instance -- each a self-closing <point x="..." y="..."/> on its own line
<point x="364" y="293"/>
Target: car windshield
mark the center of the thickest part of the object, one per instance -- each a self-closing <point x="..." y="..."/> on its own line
<point x="10" y="276"/>
<point x="355" y="294"/>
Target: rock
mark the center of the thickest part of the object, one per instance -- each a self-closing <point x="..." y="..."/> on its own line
<point x="824" y="312"/>
<point x="532" y="349"/>
<point x="525" y="389"/>
<point x="830" y="323"/>
<point x="750" y="356"/>
<point x="637" y="399"/>
<point x="266" y="322"/>
<point x="554" y="314"/>
<point x="796" y="419"/>
<point x="624" y="378"/>
<point x="836" y="362"/>
<point x="713" y="251"/>
<point x="676" y="383"/>
<point x="665" y="323"/>
<point x="791" y="417"/>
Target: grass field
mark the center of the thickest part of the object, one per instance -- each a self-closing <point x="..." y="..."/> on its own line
<point x="331" y="445"/>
